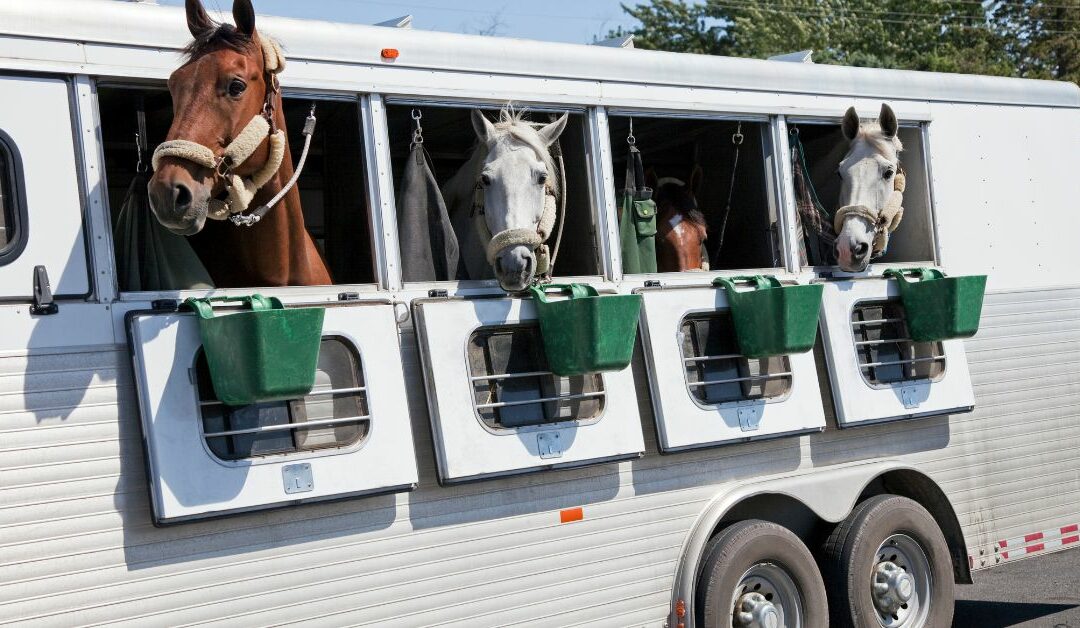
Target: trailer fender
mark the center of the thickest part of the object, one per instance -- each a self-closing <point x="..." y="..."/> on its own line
<point x="830" y="494"/>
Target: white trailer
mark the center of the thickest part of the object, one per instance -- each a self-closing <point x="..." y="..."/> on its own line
<point x="660" y="495"/>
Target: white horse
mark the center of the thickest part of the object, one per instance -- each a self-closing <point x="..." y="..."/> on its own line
<point x="501" y="201"/>
<point x="869" y="203"/>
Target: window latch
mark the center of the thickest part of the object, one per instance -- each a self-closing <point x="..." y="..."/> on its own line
<point x="43" y="297"/>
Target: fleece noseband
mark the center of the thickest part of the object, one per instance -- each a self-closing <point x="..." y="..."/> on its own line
<point x="884" y="220"/>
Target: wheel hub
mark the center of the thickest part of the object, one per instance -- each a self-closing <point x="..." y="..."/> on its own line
<point x="754" y="611"/>
<point x="893" y="587"/>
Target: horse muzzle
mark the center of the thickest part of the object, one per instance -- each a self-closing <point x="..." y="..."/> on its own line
<point x="515" y="267"/>
<point x="178" y="201"/>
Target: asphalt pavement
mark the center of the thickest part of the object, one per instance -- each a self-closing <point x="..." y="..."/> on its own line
<point x="1037" y="592"/>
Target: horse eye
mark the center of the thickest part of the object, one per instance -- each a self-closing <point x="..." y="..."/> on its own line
<point x="542" y="178"/>
<point x="485" y="180"/>
<point x="236" y="88"/>
<point x="887" y="175"/>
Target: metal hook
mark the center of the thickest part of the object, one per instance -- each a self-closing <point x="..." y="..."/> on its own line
<point x="737" y="138"/>
<point x="630" y="139"/>
<point x="794" y="130"/>
<point x="140" y="165"/>
<point x="418" y="132"/>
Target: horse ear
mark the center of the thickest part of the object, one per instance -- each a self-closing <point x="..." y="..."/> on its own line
<point x="887" y="120"/>
<point x="198" y="22"/>
<point x="696" y="176"/>
<point x="244" y="16"/>
<point x="552" y="131"/>
<point x="850" y="125"/>
<point x="485" y="130"/>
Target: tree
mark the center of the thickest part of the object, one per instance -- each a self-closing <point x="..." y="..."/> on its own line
<point x="1036" y="38"/>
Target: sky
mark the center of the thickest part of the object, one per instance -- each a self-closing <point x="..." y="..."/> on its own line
<point x="574" y="21"/>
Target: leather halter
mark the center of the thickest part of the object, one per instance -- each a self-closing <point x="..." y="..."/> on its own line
<point x="884" y="220"/>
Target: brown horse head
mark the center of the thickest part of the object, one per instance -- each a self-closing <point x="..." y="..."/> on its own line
<point x="228" y="82"/>
<point x="680" y="225"/>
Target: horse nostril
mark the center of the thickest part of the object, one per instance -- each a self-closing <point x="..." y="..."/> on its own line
<point x="181" y="196"/>
<point x="861" y="249"/>
<point x="498" y="265"/>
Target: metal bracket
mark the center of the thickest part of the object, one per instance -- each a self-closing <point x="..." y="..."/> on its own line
<point x="749" y="418"/>
<point x="550" y="445"/>
<point x="297" y="478"/>
<point x="438" y="293"/>
<point x="43" y="298"/>
<point x="909" y="396"/>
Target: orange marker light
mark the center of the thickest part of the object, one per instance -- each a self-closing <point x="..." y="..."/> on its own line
<point x="390" y="53"/>
<point x="571" y="514"/>
<point x="680" y="609"/>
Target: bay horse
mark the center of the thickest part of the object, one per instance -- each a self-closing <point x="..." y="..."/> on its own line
<point x="502" y="202"/>
<point x="871" y="191"/>
<point x="220" y="153"/>
<point x="681" y="228"/>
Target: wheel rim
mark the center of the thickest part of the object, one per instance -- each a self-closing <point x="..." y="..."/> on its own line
<point x="766" y="597"/>
<point x="901" y="584"/>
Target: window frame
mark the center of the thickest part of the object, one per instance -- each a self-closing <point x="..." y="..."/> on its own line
<point x="12" y="175"/>
<point x="593" y="157"/>
<point x="789" y="376"/>
<point x="875" y="268"/>
<point x="364" y="435"/>
<point x="771" y="149"/>
<point x="600" y="395"/>
<point x="938" y="350"/>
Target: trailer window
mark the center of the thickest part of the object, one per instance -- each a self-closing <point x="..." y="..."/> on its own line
<point x="332" y="187"/>
<point x="886" y="353"/>
<point x="12" y="210"/>
<point x="449" y="140"/>
<point x="708" y="178"/>
<point x="334" y="414"/>
<point x="824" y="146"/>
<point x="513" y="388"/>
<point x="715" y="371"/>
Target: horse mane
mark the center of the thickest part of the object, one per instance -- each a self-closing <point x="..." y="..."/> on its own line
<point x="512" y="125"/>
<point x="870" y="132"/>
<point x="221" y="36"/>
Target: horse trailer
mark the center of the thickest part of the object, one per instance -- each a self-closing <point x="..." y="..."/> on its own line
<point x="439" y="472"/>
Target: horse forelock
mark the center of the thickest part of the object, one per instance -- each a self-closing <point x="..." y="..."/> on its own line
<point x="871" y="133"/>
<point x="512" y="128"/>
<point x="216" y="37"/>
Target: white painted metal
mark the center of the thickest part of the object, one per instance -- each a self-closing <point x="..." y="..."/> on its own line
<point x="187" y="481"/>
<point x="682" y="421"/>
<point x="43" y="138"/>
<point x="856" y="400"/>
<point x="467" y="449"/>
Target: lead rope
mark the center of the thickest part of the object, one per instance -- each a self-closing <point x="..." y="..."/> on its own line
<point x="556" y="150"/>
<point x="250" y="220"/>
<point x="737" y="140"/>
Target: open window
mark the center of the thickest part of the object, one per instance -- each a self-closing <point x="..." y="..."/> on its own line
<point x="877" y="372"/>
<point x="495" y="407"/>
<point x="721" y="396"/>
<point x="711" y="179"/>
<point x="823" y="147"/>
<point x="449" y="141"/>
<point x="332" y="189"/>
<point x="349" y="436"/>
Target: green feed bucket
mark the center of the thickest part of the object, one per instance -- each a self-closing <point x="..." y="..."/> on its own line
<point x="587" y="333"/>
<point x="267" y="353"/>
<point x="772" y="319"/>
<point x="940" y="307"/>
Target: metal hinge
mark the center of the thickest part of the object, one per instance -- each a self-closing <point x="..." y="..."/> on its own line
<point x="43" y="298"/>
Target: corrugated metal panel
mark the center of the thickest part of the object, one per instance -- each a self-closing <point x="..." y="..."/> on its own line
<point x="77" y="546"/>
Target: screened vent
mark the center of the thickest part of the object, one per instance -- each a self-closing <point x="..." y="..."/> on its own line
<point x="885" y="351"/>
<point x="715" y="371"/>
<point x="512" y="387"/>
<point x="334" y="414"/>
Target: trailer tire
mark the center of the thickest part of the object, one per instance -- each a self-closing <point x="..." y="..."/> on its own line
<point x="898" y="543"/>
<point x="766" y="570"/>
